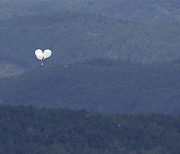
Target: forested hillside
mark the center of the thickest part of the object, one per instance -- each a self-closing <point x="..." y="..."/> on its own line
<point x="111" y="86"/>
<point x="27" y="130"/>
<point x="98" y="85"/>
<point x="75" y="37"/>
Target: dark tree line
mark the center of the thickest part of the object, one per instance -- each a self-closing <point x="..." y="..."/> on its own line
<point x="63" y="131"/>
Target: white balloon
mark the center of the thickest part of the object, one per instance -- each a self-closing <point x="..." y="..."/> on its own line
<point x="38" y="51"/>
<point x="39" y="54"/>
<point x="47" y="53"/>
<point x="43" y="55"/>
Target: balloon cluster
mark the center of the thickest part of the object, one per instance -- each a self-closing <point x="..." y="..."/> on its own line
<point x="41" y="55"/>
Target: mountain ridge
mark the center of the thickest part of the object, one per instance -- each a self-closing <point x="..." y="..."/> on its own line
<point x="100" y="85"/>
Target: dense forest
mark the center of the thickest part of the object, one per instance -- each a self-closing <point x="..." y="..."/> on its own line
<point x="98" y="85"/>
<point x="28" y="130"/>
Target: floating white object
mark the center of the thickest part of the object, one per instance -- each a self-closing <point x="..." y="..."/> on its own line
<point x="39" y="54"/>
<point x="47" y="53"/>
<point x="43" y="55"/>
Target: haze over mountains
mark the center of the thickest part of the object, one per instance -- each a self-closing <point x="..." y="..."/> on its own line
<point x="144" y="31"/>
<point x="127" y="9"/>
<point x="111" y="86"/>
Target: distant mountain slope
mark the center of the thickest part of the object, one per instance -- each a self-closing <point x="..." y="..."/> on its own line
<point x="127" y="9"/>
<point x="100" y="85"/>
<point x="29" y="130"/>
<point x="75" y="37"/>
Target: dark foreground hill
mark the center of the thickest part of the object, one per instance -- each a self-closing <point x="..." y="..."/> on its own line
<point x="27" y="130"/>
<point x="98" y="85"/>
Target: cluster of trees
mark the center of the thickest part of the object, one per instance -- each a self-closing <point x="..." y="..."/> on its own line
<point x="98" y="85"/>
<point x="62" y="131"/>
<point x="76" y="36"/>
